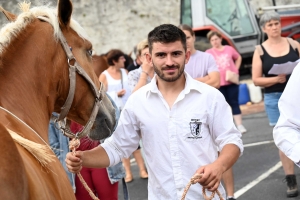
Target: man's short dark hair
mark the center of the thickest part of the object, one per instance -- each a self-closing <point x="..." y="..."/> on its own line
<point x="166" y="33"/>
<point x="113" y="55"/>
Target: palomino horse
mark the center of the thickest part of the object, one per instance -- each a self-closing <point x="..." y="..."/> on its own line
<point x="45" y="66"/>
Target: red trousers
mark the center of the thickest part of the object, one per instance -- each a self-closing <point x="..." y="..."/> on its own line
<point x="97" y="180"/>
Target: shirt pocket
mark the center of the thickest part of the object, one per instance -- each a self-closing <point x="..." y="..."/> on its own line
<point x="194" y="128"/>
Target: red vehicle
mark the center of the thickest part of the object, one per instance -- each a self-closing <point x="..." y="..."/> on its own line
<point x="238" y="23"/>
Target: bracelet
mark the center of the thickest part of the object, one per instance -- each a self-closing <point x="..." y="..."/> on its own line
<point x="145" y="73"/>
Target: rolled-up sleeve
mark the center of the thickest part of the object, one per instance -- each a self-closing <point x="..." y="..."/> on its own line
<point x="126" y="137"/>
<point x="286" y="133"/>
<point x="222" y="126"/>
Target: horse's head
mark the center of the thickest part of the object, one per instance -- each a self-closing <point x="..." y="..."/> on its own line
<point x="45" y="66"/>
<point x="55" y="68"/>
<point x="89" y="96"/>
<point x="90" y="101"/>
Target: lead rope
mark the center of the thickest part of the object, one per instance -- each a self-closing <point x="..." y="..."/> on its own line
<point x="74" y="144"/>
<point x="193" y="181"/>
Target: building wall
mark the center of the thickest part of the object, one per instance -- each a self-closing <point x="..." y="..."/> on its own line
<point x="122" y="23"/>
<point x="117" y="23"/>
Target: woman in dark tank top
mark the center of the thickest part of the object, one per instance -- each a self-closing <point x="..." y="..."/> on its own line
<point x="268" y="61"/>
<point x="275" y="50"/>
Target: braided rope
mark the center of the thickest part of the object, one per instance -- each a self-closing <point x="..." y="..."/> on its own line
<point x="74" y="144"/>
<point x="193" y="181"/>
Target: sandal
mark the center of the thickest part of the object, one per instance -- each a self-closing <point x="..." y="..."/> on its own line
<point x="128" y="178"/>
<point x="144" y="174"/>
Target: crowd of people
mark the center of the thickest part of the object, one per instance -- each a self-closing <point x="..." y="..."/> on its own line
<point x="157" y="95"/>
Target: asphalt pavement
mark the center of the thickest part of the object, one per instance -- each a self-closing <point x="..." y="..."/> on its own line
<point x="258" y="172"/>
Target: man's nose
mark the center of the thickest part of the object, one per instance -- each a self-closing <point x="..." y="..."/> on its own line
<point x="169" y="60"/>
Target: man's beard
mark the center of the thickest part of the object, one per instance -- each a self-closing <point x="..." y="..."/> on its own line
<point x="171" y="79"/>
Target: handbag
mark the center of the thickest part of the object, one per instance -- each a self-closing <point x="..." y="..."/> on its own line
<point x="232" y="77"/>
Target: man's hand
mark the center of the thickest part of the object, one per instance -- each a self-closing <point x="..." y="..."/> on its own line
<point x="74" y="162"/>
<point x="212" y="173"/>
<point x="211" y="176"/>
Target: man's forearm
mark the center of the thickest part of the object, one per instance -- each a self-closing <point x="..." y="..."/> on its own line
<point x="228" y="156"/>
<point x="213" y="83"/>
<point x="95" y="158"/>
<point x="212" y="79"/>
<point x="203" y="79"/>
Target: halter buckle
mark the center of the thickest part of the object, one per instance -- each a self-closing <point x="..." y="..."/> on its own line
<point x="69" y="61"/>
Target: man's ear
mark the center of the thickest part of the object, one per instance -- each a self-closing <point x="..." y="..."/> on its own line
<point x="149" y="58"/>
<point x="187" y="56"/>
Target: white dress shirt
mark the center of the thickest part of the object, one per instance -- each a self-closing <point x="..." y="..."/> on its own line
<point x="177" y="141"/>
<point x="286" y="133"/>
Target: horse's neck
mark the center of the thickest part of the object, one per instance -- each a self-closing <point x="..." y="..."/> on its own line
<point x="26" y="81"/>
<point x="26" y="105"/>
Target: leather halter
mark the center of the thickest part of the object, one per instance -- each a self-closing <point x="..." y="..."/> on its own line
<point x="67" y="105"/>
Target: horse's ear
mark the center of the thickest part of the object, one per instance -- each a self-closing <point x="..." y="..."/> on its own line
<point x="64" y="12"/>
<point x="10" y="17"/>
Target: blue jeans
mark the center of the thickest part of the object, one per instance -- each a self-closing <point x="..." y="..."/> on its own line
<point x="231" y="94"/>
<point x="271" y="106"/>
<point x="60" y="146"/>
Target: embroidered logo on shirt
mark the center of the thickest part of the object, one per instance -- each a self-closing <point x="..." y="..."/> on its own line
<point x="195" y="126"/>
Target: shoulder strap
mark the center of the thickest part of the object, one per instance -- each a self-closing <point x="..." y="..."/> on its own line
<point x="259" y="50"/>
<point x="122" y="78"/>
<point x="292" y="43"/>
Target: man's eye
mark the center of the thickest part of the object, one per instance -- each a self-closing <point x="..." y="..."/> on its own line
<point x="177" y="53"/>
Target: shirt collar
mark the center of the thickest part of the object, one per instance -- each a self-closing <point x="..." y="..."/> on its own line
<point x="190" y="84"/>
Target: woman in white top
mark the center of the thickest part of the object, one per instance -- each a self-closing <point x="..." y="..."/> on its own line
<point x="115" y="78"/>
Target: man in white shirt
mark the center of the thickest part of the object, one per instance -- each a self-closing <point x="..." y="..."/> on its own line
<point x="286" y="133"/>
<point x="201" y="66"/>
<point x="181" y="122"/>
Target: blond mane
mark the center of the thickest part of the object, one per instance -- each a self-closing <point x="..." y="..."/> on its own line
<point x="12" y="29"/>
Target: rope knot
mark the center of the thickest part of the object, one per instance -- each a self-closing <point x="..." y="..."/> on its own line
<point x="74" y="144"/>
<point x="194" y="180"/>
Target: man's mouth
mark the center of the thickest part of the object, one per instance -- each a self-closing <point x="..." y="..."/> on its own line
<point x="170" y="69"/>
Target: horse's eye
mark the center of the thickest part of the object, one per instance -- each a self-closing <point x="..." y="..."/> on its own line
<point x="90" y="52"/>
